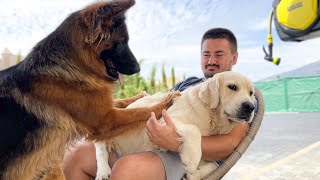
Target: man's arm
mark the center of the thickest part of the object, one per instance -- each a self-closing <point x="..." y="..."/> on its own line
<point x="219" y="147"/>
<point x="214" y="148"/>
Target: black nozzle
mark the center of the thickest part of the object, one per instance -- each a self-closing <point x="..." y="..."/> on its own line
<point x="268" y="56"/>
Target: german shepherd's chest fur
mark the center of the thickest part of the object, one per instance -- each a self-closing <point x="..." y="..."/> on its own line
<point x="33" y="132"/>
<point x="16" y="125"/>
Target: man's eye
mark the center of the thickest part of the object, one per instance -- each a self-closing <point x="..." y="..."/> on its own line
<point x="233" y="87"/>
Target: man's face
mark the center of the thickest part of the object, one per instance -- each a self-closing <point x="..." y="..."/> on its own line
<point x="216" y="56"/>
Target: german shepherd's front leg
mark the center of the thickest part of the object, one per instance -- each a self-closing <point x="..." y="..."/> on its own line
<point x="123" y="103"/>
<point x="124" y="120"/>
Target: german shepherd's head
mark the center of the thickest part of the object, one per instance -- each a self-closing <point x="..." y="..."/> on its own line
<point x="107" y="35"/>
<point x="100" y="38"/>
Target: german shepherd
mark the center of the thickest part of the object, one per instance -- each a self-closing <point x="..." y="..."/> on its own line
<point x="63" y="91"/>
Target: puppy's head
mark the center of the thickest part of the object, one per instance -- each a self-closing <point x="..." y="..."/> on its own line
<point x="103" y="36"/>
<point x="232" y="93"/>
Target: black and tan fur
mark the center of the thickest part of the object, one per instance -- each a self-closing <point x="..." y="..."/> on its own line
<point x="63" y="90"/>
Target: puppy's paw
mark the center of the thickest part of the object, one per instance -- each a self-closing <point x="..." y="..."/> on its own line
<point x="189" y="165"/>
<point x="103" y="177"/>
<point x="162" y="149"/>
<point x="184" y="177"/>
<point x="103" y="174"/>
<point x="190" y="160"/>
<point x="194" y="176"/>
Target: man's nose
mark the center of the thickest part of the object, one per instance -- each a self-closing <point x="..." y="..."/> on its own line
<point x="212" y="60"/>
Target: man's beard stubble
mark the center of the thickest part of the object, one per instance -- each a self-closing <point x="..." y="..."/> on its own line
<point x="208" y="74"/>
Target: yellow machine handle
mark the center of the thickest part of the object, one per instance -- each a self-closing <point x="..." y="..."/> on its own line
<point x="268" y="55"/>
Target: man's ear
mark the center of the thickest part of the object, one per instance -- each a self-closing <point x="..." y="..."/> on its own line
<point x="209" y="92"/>
<point x="99" y="17"/>
<point x="234" y="58"/>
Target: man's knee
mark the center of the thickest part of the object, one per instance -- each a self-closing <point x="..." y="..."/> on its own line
<point x="80" y="158"/>
<point x="140" y="165"/>
<point x="79" y="152"/>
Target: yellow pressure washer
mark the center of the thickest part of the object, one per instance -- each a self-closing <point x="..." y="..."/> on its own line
<point x="295" y="20"/>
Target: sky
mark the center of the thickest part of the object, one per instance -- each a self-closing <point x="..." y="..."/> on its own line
<point x="167" y="32"/>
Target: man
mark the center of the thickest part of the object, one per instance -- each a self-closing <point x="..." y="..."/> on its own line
<point x="218" y="54"/>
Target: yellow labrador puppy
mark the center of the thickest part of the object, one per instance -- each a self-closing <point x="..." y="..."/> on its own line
<point x="212" y="107"/>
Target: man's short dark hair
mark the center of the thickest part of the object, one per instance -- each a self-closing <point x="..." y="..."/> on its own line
<point x="221" y="33"/>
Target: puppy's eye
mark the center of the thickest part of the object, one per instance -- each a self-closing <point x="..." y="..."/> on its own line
<point x="251" y="93"/>
<point x="233" y="87"/>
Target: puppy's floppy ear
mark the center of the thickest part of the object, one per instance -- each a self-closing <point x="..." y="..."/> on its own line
<point x="209" y="92"/>
<point x="99" y="18"/>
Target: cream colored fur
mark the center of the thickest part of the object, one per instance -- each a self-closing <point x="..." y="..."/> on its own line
<point x="206" y="109"/>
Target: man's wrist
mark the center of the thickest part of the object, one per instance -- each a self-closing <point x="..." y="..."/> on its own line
<point x="238" y="134"/>
<point x="180" y="148"/>
<point x="178" y="145"/>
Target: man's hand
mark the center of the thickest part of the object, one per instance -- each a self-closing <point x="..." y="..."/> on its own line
<point x="163" y="135"/>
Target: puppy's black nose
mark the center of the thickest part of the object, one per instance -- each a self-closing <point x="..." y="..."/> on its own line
<point x="247" y="107"/>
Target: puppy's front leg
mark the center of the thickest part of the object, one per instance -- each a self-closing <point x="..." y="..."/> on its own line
<point x="190" y="152"/>
<point x="123" y="103"/>
<point x="102" y="156"/>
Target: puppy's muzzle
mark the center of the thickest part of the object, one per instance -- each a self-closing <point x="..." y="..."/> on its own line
<point x="246" y="110"/>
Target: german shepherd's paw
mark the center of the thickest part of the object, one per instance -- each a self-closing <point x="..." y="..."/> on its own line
<point x="142" y="94"/>
<point x="168" y="100"/>
<point x="176" y="93"/>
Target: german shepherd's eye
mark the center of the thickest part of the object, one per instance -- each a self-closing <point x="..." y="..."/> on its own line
<point x="233" y="87"/>
<point x="108" y="45"/>
<point x="124" y="40"/>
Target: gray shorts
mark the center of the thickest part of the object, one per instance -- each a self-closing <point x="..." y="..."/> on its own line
<point x="172" y="164"/>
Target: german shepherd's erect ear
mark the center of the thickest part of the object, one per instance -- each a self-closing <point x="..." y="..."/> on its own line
<point x="100" y="18"/>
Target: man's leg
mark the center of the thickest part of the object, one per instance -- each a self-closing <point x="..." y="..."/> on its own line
<point x="148" y="165"/>
<point x="143" y="165"/>
<point x="80" y="162"/>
